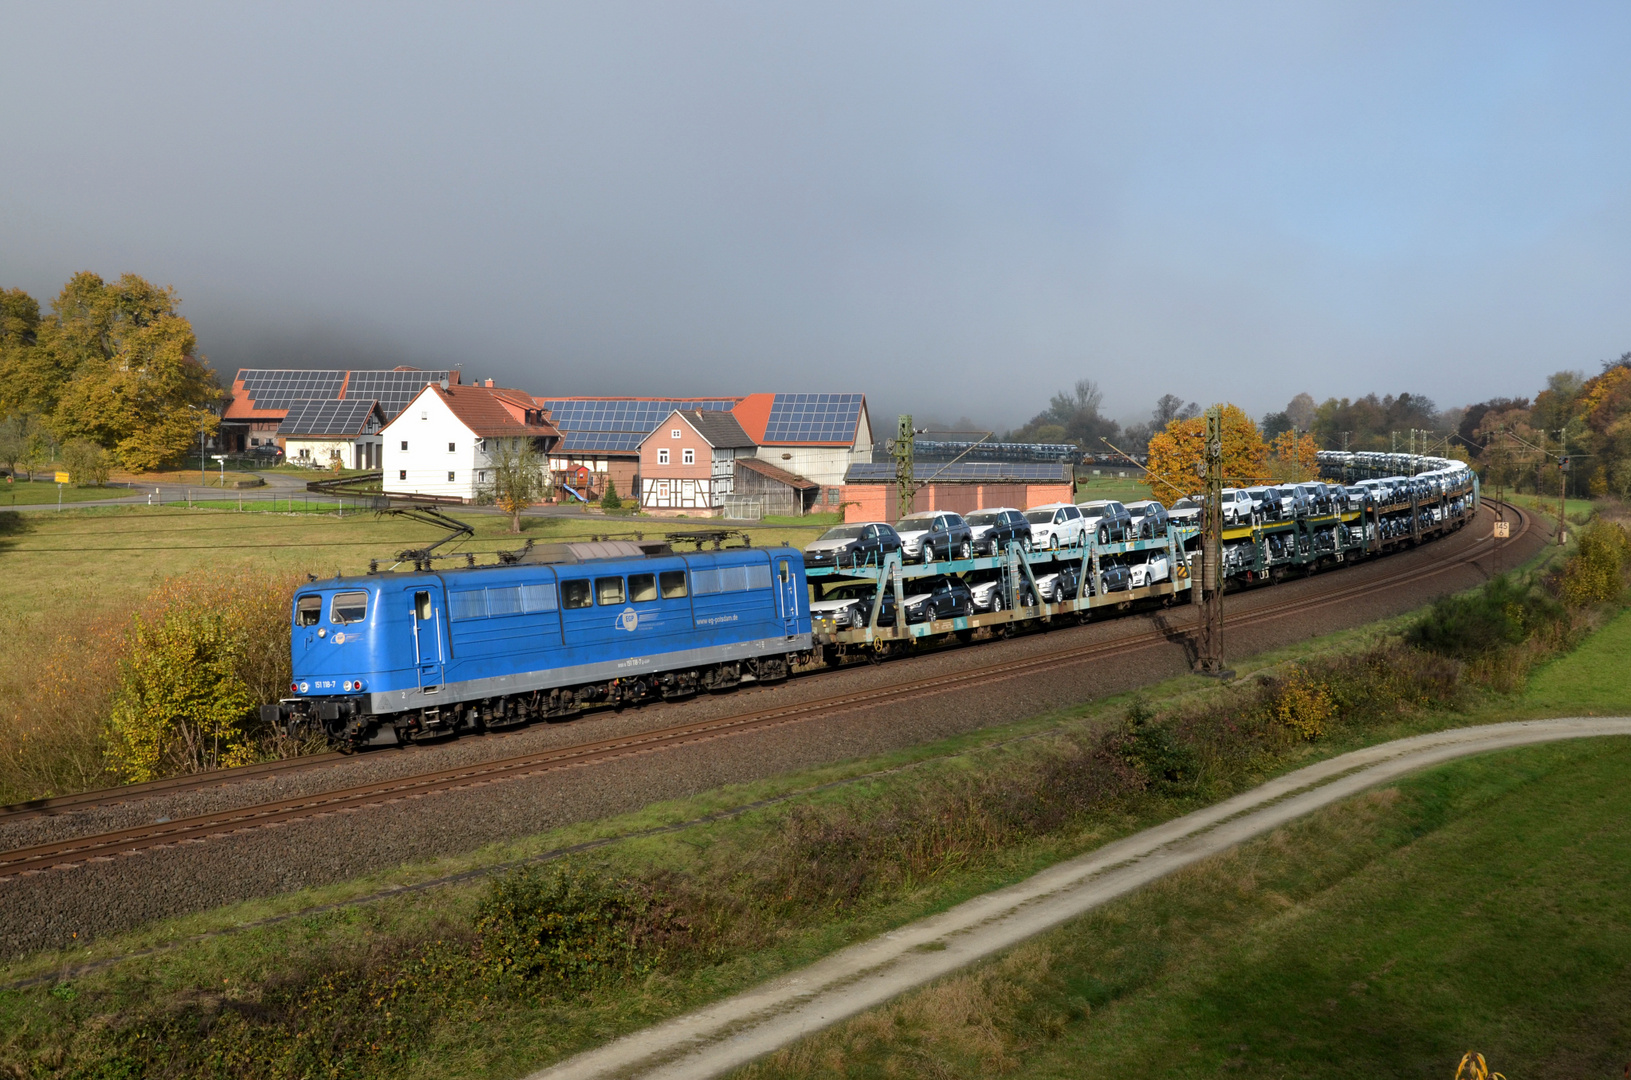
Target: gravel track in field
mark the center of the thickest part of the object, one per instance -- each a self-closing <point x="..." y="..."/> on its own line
<point x="47" y="909"/>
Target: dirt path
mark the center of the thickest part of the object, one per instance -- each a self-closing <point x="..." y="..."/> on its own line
<point x="733" y="1032"/>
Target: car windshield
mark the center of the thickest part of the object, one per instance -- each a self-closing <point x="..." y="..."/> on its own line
<point x="858" y="591"/>
<point x="1039" y="517"/>
<point x="916" y="523"/>
<point x="843" y="532"/>
<point x="1185" y="504"/>
<point x="1097" y="508"/>
<point x="985" y="518"/>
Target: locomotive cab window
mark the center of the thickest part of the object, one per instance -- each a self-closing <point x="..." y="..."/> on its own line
<point x="308" y="610"/>
<point x="783" y="565"/>
<point x="642" y="587"/>
<point x="576" y="594"/>
<point x="609" y="590"/>
<point x="348" y="607"/>
<point x="673" y="584"/>
<point x="421" y="606"/>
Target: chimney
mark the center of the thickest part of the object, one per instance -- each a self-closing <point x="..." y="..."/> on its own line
<point x="489" y="384"/>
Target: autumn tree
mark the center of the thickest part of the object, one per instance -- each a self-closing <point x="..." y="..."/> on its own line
<point x="114" y="363"/>
<point x="520" y="477"/>
<point x="1176" y="454"/>
<point x="1294" y="457"/>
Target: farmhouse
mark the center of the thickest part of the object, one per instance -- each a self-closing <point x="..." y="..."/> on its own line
<point x="442" y="445"/>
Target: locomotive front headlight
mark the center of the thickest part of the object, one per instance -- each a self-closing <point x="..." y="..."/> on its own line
<point x="304" y="687"/>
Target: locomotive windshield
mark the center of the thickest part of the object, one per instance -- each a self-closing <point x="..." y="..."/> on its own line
<point x="308" y="610"/>
<point x="348" y="607"/>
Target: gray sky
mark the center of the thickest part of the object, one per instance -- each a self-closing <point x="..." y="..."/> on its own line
<point x="956" y="209"/>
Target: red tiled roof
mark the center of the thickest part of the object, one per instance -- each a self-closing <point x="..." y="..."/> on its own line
<point x="493" y="412"/>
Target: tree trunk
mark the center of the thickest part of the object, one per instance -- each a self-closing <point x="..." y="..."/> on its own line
<point x="515" y="520"/>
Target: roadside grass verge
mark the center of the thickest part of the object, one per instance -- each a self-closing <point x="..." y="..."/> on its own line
<point x="418" y="986"/>
<point x="39" y="492"/>
<point x="1485" y="904"/>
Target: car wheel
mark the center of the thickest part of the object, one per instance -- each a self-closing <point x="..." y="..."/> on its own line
<point x="968" y="549"/>
<point x="928" y="552"/>
<point x="1104" y="534"/>
<point x="996" y="602"/>
<point x="1053" y="544"/>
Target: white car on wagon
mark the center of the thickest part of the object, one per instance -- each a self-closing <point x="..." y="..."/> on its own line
<point x="1056" y="525"/>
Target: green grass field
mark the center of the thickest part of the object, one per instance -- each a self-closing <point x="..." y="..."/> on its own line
<point x="1484" y="905"/>
<point x="1594" y="680"/>
<point x="1111" y="487"/>
<point x="102" y="557"/>
<point x="40" y="492"/>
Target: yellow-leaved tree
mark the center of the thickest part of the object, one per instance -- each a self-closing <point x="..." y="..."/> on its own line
<point x="1294" y="457"/>
<point x="1176" y="453"/>
<point x="114" y="363"/>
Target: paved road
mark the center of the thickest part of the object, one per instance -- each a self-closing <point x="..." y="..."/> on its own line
<point x="727" y="1035"/>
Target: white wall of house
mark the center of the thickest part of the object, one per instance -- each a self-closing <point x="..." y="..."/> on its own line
<point x="442" y="456"/>
<point x="355" y="453"/>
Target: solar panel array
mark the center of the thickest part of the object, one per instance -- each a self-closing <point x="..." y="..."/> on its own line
<point x="392" y="389"/>
<point x="347" y="417"/>
<point x="616" y="427"/>
<point x="281" y="388"/>
<point x="278" y="388"/>
<point x="991" y="472"/>
<point x="813" y="418"/>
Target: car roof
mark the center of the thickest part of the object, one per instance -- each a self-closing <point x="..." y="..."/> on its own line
<point x="1050" y="506"/>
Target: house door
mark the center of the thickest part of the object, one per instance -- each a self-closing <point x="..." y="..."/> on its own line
<point x="428" y="654"/>
<point x="787" y="590"/>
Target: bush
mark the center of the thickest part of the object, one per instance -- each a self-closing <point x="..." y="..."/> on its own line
<point x="610" y="500"/>
<point x="1505" y="612"/>
<point x="1166" y="764"/>
<point x="197" y="660"/>
<point x="567" y="928"/>
<point x="1595" y="574"/>
<point x="1303" y="705"/>
<point x="86" y="462"/>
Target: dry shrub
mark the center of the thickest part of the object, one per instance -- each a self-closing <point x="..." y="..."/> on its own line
<point x="56" y="701"/>
<point x="1595" y="574"/>
<point x="199" y="658"/>
<point x="53" y="712"/>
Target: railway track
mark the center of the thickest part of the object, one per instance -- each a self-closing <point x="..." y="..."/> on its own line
<point x="107" y="846"/>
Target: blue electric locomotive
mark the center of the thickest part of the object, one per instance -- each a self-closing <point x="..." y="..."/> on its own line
<point x="389" y="658"/>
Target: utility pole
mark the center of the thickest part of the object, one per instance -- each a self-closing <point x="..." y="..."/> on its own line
<point x="1209" y="655"/>
<point x="905" y="481"/>
<point x="1562" y="487"/>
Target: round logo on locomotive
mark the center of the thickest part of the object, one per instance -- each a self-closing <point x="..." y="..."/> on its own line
<point x="628" y="619"/>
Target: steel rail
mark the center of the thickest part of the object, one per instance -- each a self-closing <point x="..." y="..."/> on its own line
<point x="105" y="846"/>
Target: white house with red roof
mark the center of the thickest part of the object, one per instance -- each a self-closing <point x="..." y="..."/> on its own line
<point x="443" y="443"/>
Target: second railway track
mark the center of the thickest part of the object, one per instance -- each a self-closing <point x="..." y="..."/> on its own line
<point x="106" y="846"/>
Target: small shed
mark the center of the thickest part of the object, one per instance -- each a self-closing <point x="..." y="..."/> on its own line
<point x="317" y="433"/>
<point x="775" y="490"/>
<point x="962" y="487"/>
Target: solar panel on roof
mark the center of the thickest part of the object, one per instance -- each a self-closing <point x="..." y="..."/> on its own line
<point x="815" y="418"/>
<point x="316" y="417"/>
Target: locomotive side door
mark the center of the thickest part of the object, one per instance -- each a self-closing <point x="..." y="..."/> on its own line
<point x="428" y="654"/>
<point x="787" y="598"/>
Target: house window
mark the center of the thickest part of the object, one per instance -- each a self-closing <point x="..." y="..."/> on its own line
<point x="450" y="448"/>
<point x="450" y="476"/>
<point x="424" y="414"/>
<point x="402" y="474"/>
<point x="481" y="476"/>
<point x="674" y="433"/>
<point x="662" y="489"/>
<point x="690" y="456"/>
<point x="662" y="457"/>
<point x="404" y="444"/>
